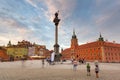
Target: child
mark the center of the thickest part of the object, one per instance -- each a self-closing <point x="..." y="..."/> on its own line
<point x="88" y="69"/>
<point x="97" y="71"/>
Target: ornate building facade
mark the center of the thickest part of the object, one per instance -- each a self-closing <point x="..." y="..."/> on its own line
<point x="41" y="50"/>
<point x="17" y="51"/>
<point x="25" y="48"/>
<point x="100" y="50"/>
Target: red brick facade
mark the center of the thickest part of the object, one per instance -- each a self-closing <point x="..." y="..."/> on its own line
<point x="100" y="50"/>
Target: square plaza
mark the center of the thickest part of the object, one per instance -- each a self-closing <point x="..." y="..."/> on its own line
<point x="33" y="70"/>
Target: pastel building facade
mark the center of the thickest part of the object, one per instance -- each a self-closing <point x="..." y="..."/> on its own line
<point x="17" y="52"/>
<point x="25" y="48"/>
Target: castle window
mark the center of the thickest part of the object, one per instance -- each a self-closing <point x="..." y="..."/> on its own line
<point x="106" y="54"/>
<point x="105" y="48"/>
<point x="111" y="54"/>
<point x="94" y="53"/>
<point x="112" y="58"/>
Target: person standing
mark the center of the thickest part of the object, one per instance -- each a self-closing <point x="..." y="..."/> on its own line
<point x="43" y="63"/>
<point x="88" y="69"/>
<point x="75" y="64"/>
<point x="97" y="71"/>
<point x="23" y="61"/>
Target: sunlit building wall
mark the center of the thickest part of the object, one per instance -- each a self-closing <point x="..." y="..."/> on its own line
<point x="100" y="50"/>
<point x="3" y="54"/>
<point x="17" y="52"/>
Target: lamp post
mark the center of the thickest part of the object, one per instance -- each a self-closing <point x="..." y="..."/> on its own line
<point x="56" y="45"/>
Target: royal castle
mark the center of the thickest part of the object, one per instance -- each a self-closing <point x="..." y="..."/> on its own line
<point x="100" y="50"/>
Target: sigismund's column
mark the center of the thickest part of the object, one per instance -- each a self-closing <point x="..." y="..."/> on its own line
<point x="56" y="45"/>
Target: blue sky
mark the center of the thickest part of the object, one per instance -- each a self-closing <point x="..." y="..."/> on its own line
<point x="31" y="20"/>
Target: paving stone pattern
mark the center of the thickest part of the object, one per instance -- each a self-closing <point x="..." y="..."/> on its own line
<point x="16" y="71"/>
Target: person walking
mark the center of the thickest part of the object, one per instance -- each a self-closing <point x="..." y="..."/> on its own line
<point x="75" y="64"/>
<point x="88" y="69"/>
<point x="97" y="71"/>
<point x="23" y="61"/>
<point x="43" y="63"/>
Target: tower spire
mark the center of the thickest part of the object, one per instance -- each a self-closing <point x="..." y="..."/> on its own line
<point x="100" y="35"/>
<point x="101" y="38"/>
<point x="74" y="41"/>
<point x="73" y="36"/>
<point x="73" y="31"/>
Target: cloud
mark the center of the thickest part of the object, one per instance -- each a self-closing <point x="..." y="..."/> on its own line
<point x="32" y="2"/>
<point x="64" y="6"/>
<point x="11" y="30"/>
<point x="3" y="40"/>
<point x="8" y="22"/>
<point x="33" y="20"/>
<point x="51" y="6"/>
<point x="100" y="20"/>
<point x="109" y="16"/>
<point x="106" y="18"/>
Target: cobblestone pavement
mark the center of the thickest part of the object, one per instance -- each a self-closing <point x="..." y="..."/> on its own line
<point x="56" y="72"/>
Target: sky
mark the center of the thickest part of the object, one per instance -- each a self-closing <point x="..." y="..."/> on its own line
<point x="32" y="20"/>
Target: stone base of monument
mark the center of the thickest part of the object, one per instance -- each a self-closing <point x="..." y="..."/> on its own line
<point x="58" y="57"/>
